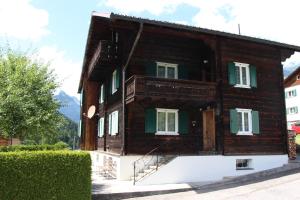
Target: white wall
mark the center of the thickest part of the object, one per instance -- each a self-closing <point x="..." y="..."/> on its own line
<point x="292" y="102"/>
<point x="124" y="164"/>
<point x="186" y="169"/>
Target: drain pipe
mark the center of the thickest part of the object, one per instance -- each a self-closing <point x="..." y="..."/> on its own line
<point x="123" y="83"/>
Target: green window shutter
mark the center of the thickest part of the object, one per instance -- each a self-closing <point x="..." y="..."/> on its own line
<point x="253" y="79"/>
<point x="150" y="68"/>
<point x="118" y="78"/>
<point x="182" y="72"/>
<point x="255" y="122"/>
<point x="231" y="73"/>
<point x="183" y="118"/>
<point x="150" y="120"/>
<point x="295" y="93"/>
<point x="234" y="128"/>
<point x="296" y="109"/>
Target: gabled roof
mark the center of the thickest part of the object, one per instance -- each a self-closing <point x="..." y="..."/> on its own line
<point x="291" y="76"/>
<point x="106" y="18"/>
<point x="202" y="30"/>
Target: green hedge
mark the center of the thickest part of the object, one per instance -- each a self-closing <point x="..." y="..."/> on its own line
<point x="55" y="175"/>
<point x="42" y="147"/>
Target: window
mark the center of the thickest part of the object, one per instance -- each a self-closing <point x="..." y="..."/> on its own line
<point x="292" y="110"/>
<point x="113" y="123"/>
<point x="291" y="93"/>
<point x="244" y="122"/>
<point x="243" y="164"/>
<point x="114" y="82"/>
<point x="101" y="97"/>
<point x="167" y="121"/>
<point x="167" y="70"/>
<point x="298" y="77"/>
<point x="242" y="75"/>
<point x="101" y="127"/>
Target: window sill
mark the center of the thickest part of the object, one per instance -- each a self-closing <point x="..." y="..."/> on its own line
<point x="241" y="133"/>
<point x="242" y="86"/>
<point x="246" y="168"/>
<point x="166" y="133"/>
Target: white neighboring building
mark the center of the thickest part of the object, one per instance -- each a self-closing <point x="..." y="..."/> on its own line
<point x="292" y="97"/>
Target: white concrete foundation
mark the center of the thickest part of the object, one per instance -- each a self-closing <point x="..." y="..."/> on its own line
<point x="184" y="169"/>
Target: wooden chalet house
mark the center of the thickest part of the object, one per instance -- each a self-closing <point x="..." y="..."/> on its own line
<point x="212" y="101"/>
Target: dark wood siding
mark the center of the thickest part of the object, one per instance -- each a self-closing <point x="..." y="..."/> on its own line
<point x="266" y="98"/>
<point x="140" y="142"/>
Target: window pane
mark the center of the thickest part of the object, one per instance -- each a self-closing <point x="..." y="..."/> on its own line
<point x="171" y="122"/>
<point x="240" y="122"/>
<point x="161" y="125"/>
<point x="161" y="72"/>
<point x="246" y="121"/>
<point x="102" y="94"/>
<point x="244" y="79"/>
<point x="237" y="73"/>
<point x="170" y="72"/>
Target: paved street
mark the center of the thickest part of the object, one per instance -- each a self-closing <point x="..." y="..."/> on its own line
<point x="286" y="187"/>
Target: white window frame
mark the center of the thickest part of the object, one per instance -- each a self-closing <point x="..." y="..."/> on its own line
<point x="291" y="93"/>
<point x="240" y="65"/>
<point x="249" y="162"/>
<point x="166" y="123"/>
<point x="113" y="122"/>
<point x="166" y="65"/>
<point x="101" y="127"/>
<point x="101" y="99"/>
<point x="294" y="109"/>
<point x="113" y="82"/>
<point x="249" y="111"/>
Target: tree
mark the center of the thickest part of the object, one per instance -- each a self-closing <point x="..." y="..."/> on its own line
<point x="69" y="133"/>
<point x="27" y="107"/>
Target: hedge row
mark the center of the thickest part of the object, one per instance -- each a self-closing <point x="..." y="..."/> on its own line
<point x="36" y="175"/>
<point x="42" y="147"/>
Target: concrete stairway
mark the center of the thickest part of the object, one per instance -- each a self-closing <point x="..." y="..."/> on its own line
<point x="163" y="160"/>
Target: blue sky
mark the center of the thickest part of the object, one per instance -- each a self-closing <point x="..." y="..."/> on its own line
<point x="57" y="29"/>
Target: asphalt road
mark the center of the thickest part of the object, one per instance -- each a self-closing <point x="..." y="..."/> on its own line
<point x="286" y="187"/>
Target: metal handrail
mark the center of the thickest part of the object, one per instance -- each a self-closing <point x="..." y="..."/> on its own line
<point x="145" y="164"/>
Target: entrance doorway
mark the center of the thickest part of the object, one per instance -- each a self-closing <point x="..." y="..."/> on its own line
<point x="209" y="136"/>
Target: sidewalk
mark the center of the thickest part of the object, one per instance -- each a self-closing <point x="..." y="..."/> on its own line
<point x="106" y="189"/>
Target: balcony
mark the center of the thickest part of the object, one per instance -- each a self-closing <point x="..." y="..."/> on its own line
<point x="106" y="54"/>
<point x="142" y="87"/>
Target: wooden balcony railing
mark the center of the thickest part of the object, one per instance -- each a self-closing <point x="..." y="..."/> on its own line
<point x="105" y="54"/>
<point x="139" y="87"/>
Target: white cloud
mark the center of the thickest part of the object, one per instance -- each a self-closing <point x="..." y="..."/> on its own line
<point x="21" y="20"/>
<point x="68" y="70"/>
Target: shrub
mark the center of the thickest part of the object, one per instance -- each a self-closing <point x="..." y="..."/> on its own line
<point x="42" y="147"/>
<point x="55" y="175"/>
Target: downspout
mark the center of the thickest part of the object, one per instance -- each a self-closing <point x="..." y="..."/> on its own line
<point x="137" y="38"/>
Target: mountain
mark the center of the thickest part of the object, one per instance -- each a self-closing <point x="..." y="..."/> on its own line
<point x="70" y="106"/>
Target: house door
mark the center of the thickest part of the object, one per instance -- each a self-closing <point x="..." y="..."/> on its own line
<point x="209" y="139"/>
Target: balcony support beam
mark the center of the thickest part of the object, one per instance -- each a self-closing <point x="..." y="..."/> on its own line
<point x="137" y="38"/>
